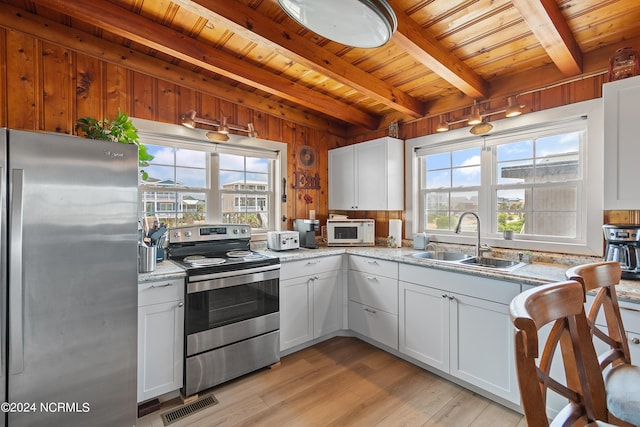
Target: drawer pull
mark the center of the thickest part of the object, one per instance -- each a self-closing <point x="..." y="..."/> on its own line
<point x="180" y="304"/>
<point x="372" y="262"/>
<point x="445" y="296"/>
<point x="313" y="262"/>
<point x="370" y="310"/>
<point x="162" y="286"/>
<point x="635" y="340"/>
<point x="371" y="278"/>
<point x="451" y="297"/>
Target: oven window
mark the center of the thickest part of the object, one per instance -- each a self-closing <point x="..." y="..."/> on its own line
<point x="218" y="307"/>
<point x="348" y="232"/>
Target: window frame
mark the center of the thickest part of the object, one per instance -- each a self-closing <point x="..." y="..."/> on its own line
<point x="593" y="176"/>
<point x="157" y="133"/>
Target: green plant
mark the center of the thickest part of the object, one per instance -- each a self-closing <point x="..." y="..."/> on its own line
<point x="120" y="129"/>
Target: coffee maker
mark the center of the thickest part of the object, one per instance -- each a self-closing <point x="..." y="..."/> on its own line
<point x="307" y="229"/>
<point x="623" y="245"/>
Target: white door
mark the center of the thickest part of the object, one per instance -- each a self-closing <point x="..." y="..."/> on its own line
<point x="296" y="315"/>
<point x="341" y="178"/>
<point x="424" y="324"/>
<point x="482" y="348"/>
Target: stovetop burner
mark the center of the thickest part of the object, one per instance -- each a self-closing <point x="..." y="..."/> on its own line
<point x="206" y="249"/>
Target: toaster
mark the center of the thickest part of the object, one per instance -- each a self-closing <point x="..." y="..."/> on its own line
<point x="283" y="240"/>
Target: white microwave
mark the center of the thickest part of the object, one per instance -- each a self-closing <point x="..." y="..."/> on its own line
<point x="351" y="232"/>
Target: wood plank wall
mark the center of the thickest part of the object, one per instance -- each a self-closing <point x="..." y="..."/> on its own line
<point x="46" y="87"/>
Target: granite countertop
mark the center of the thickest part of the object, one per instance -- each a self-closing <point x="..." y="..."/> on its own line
<point x="536" y="273"/>
<point x="530" y="274"/>
<point x="164" y="270"/>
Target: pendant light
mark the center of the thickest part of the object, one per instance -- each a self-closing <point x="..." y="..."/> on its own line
<point x="357" y="23"/>
<point x="513" y="109"/>
<point x="475" y="117"/>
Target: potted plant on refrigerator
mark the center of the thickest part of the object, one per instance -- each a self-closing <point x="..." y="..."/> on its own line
<point x="120" y="130"/>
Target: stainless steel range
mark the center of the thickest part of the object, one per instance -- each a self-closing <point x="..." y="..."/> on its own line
<point x="232" y="317"/>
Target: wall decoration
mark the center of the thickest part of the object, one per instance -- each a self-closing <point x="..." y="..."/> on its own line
<point x="306" y="156"/>
<point x="306" y="181"/>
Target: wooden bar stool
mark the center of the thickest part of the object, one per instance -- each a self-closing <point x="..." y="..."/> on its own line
<point x="560" y="305"/>
<point x="622" y="379"/>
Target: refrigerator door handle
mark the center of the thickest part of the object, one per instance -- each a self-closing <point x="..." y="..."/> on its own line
<point x="16" y="339"/>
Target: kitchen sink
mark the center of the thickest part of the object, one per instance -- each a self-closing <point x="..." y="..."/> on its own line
<point x="496" y="263"/>
<point x="441" y="255"/>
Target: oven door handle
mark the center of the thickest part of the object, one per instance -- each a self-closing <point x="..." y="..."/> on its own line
<point x="232" y="278"/>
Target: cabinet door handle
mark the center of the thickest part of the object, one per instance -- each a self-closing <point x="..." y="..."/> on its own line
<point x="162" y="286"/>
<point x="451" y="297"/>
<point x="445" y="296"/>
<point x="180" y="304"/>
<point x="635" y="340"/>
<point x="372" y="262"/>
<point x="370" y="310"/>
<point x="372" y="278"/>
<point x="313" y="262"/>
<point x="315" y="278"/>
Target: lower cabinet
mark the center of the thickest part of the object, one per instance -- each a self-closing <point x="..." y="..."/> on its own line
<point x="310" y="304"/>
<point x="160" y="337"/>
<point x="452" y="322"/>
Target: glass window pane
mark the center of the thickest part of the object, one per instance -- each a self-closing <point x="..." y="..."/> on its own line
<point x="515" y="172"/>
<point x="191" y="158"/>
<point x="231" y="162"/>
<point x="249" y="209"/>
<point x="161" y="155"/>
<point x="566" y="143"/>
<point x="174" y="208"/>
<point x="555" y="199"/>
<point x="562" y="224"/>
<point x="438" y="161"/>
<point x="466" y="177"/>
<point x="557" y="169"/>
<point x="439" y="179"/>
<point x="511" y="210"/>
<point x="255" y="164"/>
<point x="515" y="151"/>
<point x="439" y="220"/>
<point x="260" y="181"/>
<point x="467" y="201"/>
<point x="160" y="175"/>
<point x="188" y="177"/>
<point x="468" y="157"/>
<point x="437" y="201"/>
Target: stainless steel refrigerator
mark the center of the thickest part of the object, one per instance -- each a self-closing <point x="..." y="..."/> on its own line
<point x="69" y="280"/>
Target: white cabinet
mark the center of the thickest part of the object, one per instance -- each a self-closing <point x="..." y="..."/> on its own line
<point x="160" y="337"/>
<point x="460" y="325"/>
<point x="309" y="300"/>
<point x="367" y="176"/>
<point x="373" y="299"/>
<point x="621" y="101"/>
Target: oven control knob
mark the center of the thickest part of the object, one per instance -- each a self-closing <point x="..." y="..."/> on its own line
<point x="177" y="234"/>
<point x="243" y="230"/>
<point x="235" y="231"/>
<point x="188" y="234"/>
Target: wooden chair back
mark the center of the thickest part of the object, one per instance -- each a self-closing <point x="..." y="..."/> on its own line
<point x="560" y="305"/>
<point x="602" y="278"/>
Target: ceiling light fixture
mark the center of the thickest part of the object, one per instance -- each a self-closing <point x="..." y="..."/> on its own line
<point x="190" y="119"/>
<point x="513" y="109"/>
<point x="357" y="23"/>
<point x="475" y="117"/>
<point x="481" y="128"/>
<point x="443" y="126"/>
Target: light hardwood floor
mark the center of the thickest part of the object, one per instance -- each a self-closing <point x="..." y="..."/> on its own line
<point x="344" y="382"/>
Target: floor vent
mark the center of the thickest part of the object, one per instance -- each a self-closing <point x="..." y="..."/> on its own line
<point x="186" y="410"/>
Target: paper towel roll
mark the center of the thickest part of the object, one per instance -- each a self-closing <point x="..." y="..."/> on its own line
<point x="395" y="230"/>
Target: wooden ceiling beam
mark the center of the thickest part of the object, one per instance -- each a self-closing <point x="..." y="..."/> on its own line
<point x="550" y="27"/>
<point x="44" y="29"/>
<point x="250" y="24"/>
<point x="425" y="48"/>
<point x="137" y="28"/>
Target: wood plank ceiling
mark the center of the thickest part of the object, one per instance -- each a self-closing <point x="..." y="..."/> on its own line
<point x="444" y="55"/>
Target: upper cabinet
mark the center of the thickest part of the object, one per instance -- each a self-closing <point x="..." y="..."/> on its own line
<point x="367" y="176"/>
<point x="621" y="100"/>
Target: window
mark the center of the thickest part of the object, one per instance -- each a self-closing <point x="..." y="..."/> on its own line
<point x="245" y="190"/>
<point x="190" y="186"/>
<point x="541" y="173"/>
<point x="450" y="186"/>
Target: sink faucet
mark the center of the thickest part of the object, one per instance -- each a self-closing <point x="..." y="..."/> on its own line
<point x="479" y="248"/>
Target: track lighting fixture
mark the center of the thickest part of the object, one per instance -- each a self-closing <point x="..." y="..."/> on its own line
<point x="190" y="119"/>
<point x="475" y="117"/>
<point x="443" y="126"/>
<point x="513" y="109"/>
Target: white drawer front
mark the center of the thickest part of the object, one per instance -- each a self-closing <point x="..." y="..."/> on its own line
<point x="375" y="324"/>
<point x="311" y="266"/>
<point x="374" y="266"/>
<point x="376" y="291"/>
<point x="160" y="291"/>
